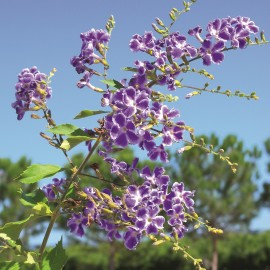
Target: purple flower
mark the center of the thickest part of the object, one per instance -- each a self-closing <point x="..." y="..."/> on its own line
<point x="219" y="29"/>
<point x="163" y="113"/>
<point x="111" y="228"/>
<point x="158" y="152"/>
<point x="142" y="43"/>
<point x="76" y="224"/>
<point x="212" y="53"/>
<point x="179" y="196"/>
<point x="31" y="89"/>
<point x="176" y="214"/>
<point x="196" y="33"/>
<point x="91" y="41"/>
<point x="235" y="30"/>
<point x="243" y="26"/>
<point x="130" y="101"/>
<point x="149" y="221"/>
<point x="178" y="46"/>
<point x="85" y="81"/>
<point x="51" y="190"/>
<point x="122" y="131"/>
<point x="135" y="196"/>
<point x="132" y="238"/>
<point x="143" y="67"/>
<point x="173" y="133"/>
<point x="95" y="37"/>
<point x="156" y="178"/>
<point x="146" y="140"/>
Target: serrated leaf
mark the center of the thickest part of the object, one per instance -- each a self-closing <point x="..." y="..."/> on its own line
<point x="13" y="229"/>
<point x="113" y="83"/>
<point x="42" y="209"/>
<point x="56" y="258"/>
<point x="36" y="172"/>
<point x="87" y="113"/>
<point x="31" y="199"/>
<point x="67" y="129"/>
<point x="72" y="141"/>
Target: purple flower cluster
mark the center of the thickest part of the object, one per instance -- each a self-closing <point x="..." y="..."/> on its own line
<point x="119" y="167"/>
<point x="133" y="110"/>
<point x="173" y="47"/>
<point x="31" y="89"/>
<point x="92" y="41"/>
<point x="53" y="189"/>
<point x="235" y="30"/>
<point x="142" y="210"/>
<point x="137" y="118"/>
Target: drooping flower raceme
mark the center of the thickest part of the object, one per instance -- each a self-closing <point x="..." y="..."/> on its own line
<point x="32" y="91"/>
<point x="92" y="42"/>
<point x="53" y="189"/>
<point x="140" y="211"/>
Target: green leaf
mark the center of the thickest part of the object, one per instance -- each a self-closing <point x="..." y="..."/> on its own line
<point x="87" y="113"/>
<point x="36" y="172"/>
<point x="31" y="199"/>
<point x="72" y="141"/>
<point x="113" y="83"/>
<point x="68" y="129"/>
<point x="130" y="69"/>
<point x="71" y="191"/>
<point x="56" y="258"/>
<point x="13" y="229"/>
<point x="31" y="258"/>
<point x="42" y="209"/>
<point x="9" y="266"/>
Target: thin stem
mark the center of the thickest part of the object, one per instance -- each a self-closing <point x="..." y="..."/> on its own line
<point x="179" y="13"/>
<point x="52" y="124"/>
<point x="101" y="179"/>
<point x="55" y="213"/>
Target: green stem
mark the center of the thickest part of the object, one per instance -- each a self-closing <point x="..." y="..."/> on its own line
<point x="101" y="179"/>
<point x="52" y="124"/>
<point x="55" y="213"/>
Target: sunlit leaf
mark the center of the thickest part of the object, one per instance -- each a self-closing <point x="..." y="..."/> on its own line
<point x="42" y="209"/>
<point x="31" y="199"/>
<point x="68" y="130"/>
<point x="36" y="172"/>
<point x="56" y="258"/>
<point x="13" y="229"/>
<point x="87" y="113"/>
<point x="72" y="141"/>
<point x="113" y="83"/>
<point x="130" y="69"/>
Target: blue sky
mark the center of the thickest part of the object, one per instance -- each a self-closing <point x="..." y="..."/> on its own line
<point x="46" y="34"/>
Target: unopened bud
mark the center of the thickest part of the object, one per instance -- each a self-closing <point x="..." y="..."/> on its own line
<point x="160" y="22"/>
<point x="263" y="37"/>
<point x="221" y="151"/>
<point x="35" y="116"/>
<point x="53" y="144"/>
<point x="157" y="29"/>
<point x="172" y="15"/>
<point x="43" y="135"/>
